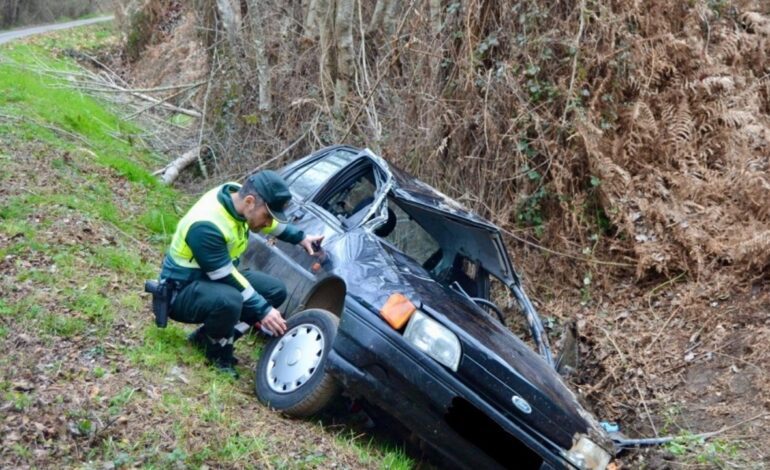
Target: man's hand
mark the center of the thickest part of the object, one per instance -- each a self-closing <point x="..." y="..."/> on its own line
<point x="274" y="322"/>
<point x="308" y="242"/>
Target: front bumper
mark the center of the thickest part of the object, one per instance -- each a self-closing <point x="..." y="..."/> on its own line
<point x="371" y="359"/>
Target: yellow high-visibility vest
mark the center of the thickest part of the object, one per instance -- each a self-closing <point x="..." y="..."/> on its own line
<point x="209" y="209"/>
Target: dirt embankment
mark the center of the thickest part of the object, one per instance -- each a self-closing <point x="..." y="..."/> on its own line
<point x="629" y="138"/>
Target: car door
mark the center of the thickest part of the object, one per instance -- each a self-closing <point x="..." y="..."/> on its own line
<point x="288" y="262"/>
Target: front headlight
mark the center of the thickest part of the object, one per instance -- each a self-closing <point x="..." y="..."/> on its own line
<point x="586" y="455"/>
<point x="434" y="339"/>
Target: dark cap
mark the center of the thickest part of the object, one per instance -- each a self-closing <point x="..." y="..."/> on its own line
<point x="273" y="190"/>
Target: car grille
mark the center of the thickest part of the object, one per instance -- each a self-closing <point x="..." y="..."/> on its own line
<point x="479" y="429"/>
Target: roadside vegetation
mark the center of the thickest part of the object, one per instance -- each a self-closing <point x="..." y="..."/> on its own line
<point x="86" y="379"/>
<point x="623" y="147"/>
<point x="16" y="13"/>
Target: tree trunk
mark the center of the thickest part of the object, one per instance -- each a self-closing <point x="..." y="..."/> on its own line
<point x="315" y="11"/>
<point x="385" y="17"/>
<point x="11" y="13"/>
<point x="435" y="16"/>
<point x="327" y="57"/>
<point x="375" y="22"/>
<point x="263" y="67"/>
<point x="343" y="29"/>
<point x="390" y="21"/>
<point x="230" y="21"/>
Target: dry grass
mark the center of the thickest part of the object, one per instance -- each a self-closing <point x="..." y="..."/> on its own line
<point x="631" y="138"/>
<point x="646" y="124"/>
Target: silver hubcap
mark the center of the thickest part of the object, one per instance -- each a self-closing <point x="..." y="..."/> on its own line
<point x="295" y="359"/>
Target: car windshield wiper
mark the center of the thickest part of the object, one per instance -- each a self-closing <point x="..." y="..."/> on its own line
<point x="480" y="302"/>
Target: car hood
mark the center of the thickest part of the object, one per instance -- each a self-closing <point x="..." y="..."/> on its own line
<point x="495" y="362"/>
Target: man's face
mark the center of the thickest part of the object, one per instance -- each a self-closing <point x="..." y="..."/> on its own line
<point x="256" y="214"/>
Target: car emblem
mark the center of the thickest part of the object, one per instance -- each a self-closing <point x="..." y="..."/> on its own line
<point x="521" y="404"/>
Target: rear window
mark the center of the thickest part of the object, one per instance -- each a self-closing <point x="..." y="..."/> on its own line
<point x="310" y="177"/>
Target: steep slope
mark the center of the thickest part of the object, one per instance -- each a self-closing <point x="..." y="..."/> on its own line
<point x="86" y="380"/>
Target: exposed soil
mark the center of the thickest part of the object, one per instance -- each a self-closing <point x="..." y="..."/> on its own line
<point x="663" y="362"/>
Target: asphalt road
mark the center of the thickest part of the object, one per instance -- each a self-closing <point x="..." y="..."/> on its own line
<point x="6" y="36"/>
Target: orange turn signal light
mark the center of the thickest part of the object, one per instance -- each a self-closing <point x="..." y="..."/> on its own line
<point x="397" y="310"/>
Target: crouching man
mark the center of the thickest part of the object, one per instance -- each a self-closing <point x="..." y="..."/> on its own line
<point x="201" y="265"/>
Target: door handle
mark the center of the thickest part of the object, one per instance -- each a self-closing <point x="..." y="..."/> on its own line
<point x="298" y="215"/>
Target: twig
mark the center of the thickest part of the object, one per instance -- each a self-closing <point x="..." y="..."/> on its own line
<point x="646" y="409"/>
<point x="203" y="116"/>
<point x="609" y="337"/>
<point x="171" y="107"/>
<point x="704" y="353"/>
<point x="162" y="101"/>
<point x="104" y="67"/>
<point x="660" y="286"/>
<point x="663" y="327"/>
<point x="708" y="435"/>
<point x="376" y="83"/>
<point x="576" y="46"/>
<point x="666" y="439"/>
<point x="167" y="88"/>
<point x="287" y="149"/>
<point x="744" y="361"/>
<point x="46" y="126"/>
<point x="486" y="110"/>
<point x="566" y="255"/>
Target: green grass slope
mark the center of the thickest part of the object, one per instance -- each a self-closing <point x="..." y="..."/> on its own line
<point x="86" y="380"/>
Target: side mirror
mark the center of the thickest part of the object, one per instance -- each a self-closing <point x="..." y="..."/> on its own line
<point x="568" y="361"/>
<point x="298" y="215"/>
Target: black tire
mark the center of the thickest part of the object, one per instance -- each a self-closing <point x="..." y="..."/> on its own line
<point x="305" y="396"/>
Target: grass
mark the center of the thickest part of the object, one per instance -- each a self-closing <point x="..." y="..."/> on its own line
<point x="83" y="223"/>
<point x="394" y="458"/>
<point x="693" y="449"/>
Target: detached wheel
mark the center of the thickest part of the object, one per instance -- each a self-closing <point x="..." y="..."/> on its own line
<point x="291" y="376"/>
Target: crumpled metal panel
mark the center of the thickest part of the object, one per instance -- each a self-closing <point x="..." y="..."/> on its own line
<point x="373" y="270"/>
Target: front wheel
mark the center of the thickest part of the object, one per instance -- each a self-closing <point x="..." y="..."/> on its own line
<point x="291" y="376"/>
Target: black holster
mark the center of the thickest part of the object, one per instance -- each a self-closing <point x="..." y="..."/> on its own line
<point x="162" y="294"/>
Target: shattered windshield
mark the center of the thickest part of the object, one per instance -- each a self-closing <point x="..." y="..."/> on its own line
<point x="442" y="247"/>
<point x="407" y="235"/>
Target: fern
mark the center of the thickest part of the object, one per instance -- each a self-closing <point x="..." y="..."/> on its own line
<point x="736" y="118"/>
<point x="714" y="85"/>
<point x="680" y="124"/>
<point x="729" y="47"/>
<point x="756" y="23"/>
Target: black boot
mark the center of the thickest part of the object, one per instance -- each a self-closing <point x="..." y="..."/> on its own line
<point x="202" y="342"/>
<point x="221" y="357"/>
<point x="198" y="339"/>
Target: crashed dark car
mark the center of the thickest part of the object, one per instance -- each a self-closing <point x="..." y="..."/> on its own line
<point x="396" y="310"/>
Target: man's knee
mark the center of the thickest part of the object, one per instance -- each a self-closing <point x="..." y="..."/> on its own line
<point x="229" y="301"/>
<point x="269" y="287"/>
<point x="225" y="310"/>
<point x="277" y="294"/>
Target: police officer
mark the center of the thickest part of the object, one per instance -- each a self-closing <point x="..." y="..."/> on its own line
<point x="203" y="258"/>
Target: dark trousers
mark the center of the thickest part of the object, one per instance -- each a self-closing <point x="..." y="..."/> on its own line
<point x="220" y="306"/>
